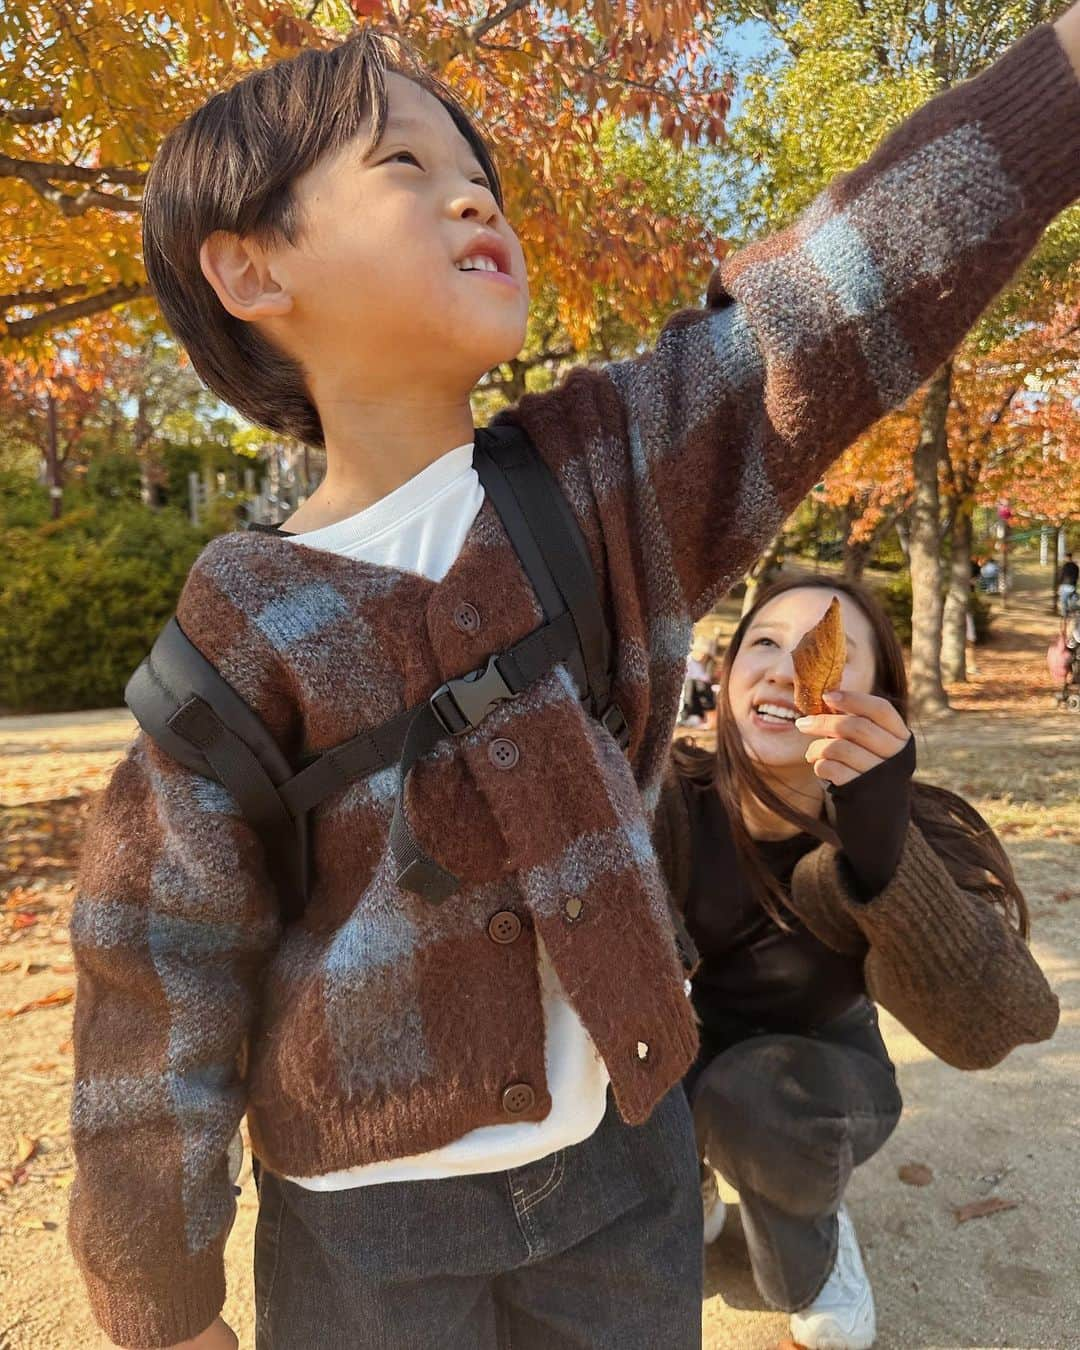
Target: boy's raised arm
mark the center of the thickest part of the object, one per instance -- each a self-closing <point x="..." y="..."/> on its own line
<point x="173" y="921"/>
<point x="813" y="333"/>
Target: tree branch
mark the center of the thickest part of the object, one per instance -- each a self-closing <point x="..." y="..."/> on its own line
<point x="481" y="29"/>
<point x="77" y="309"/>
<point x="39" y="175"/>
<point x="73" y="173"/>
<point x="49" y="297"/>
<point x="28" y="117"/>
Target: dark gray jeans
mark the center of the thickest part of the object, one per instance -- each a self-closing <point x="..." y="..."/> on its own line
<point x="785" y="1119"/>
<point x="596" y="1246"/>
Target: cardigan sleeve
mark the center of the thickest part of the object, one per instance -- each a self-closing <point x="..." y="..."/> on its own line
<point x="942" y="960"/>
<point x="174" y="918"/>
<point x="810" y="335"/>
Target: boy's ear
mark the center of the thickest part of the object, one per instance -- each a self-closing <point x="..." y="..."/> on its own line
<point x="240" y="273"/>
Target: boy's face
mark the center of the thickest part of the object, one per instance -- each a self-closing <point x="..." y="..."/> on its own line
<point x="374" y="276"/>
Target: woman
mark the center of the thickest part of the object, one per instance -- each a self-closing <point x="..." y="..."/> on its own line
<point x="818" y="880"/>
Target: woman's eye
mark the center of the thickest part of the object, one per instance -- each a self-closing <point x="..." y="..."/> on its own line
<point x="403" y="154"/>
<point x="764" y="641"/>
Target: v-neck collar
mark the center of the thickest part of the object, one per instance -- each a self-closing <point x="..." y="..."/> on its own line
<point x="387" y="571"/>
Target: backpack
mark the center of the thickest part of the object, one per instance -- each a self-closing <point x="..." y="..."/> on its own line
<point x="181" y="701"/>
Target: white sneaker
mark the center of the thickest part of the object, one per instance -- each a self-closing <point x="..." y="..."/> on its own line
<point x="714" y="1208"/>
<point x="842" y="1315"/>
<point x="692" y="721"/>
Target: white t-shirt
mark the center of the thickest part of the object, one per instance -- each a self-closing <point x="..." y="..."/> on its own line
<point x="421" y="526"/>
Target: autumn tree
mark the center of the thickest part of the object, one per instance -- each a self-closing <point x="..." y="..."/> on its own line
<point x="90" y="90"/>
<point x="835" y="78"/>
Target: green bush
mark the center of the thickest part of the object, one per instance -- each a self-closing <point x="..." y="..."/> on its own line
<point x="895" y="595"/>
<point x="82" y="599"/>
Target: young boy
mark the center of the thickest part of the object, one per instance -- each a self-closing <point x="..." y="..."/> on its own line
<point x="427" y="1087"/>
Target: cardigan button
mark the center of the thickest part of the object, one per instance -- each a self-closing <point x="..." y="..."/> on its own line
<point x="503" y="753"/>
<point x="518" y="1098"/>
<point x="504" y="927"/>
<point x="467" y="617"/>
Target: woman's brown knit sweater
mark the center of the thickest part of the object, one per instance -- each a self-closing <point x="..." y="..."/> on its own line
<point x="942" y="960"/>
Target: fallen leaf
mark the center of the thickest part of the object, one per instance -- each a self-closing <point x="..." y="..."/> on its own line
<point x="64" y="1048"/>
<point x="63" y="967"/>
<point x="64" y="1179"/>
<point x="979" y="1209"/>
<point x="34" y="1221"/>
<point x="6" y="967"/>
<point x="915" y="1174"/>
<point x="57" y="997"/>
<point x="44" y="1066"/>
<point x="21" y="920"/>
<point x="1063" y="897"/>
<point x="25" y="1147"/>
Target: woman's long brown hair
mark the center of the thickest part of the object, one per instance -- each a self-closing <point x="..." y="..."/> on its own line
<point x="954" y="829"/>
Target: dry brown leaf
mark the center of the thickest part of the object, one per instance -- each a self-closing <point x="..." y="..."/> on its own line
<point x="819" y="659"/>
<point x="979" y="1209"/>
<point x="63" y="967"/>
<point x="57" y="997"/>
<point x="6" y="967"/>
<point x="915" y="1174"/>
<point x="7" y="1180"/>
<point x="25" y="1147"/>
<point x="44" y="1066"/>
<point x="64" y="1179"/>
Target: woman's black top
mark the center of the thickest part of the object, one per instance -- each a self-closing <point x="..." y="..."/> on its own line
<point x="753" y="974"/>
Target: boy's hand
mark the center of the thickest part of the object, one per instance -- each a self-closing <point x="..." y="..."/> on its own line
<point x="217" y="1336"/>
<point x="1068" y="31"/>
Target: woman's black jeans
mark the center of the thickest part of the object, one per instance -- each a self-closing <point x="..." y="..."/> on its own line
<point x="785" y="1119"/>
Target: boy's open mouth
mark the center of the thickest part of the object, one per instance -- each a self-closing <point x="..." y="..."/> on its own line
<point x="485" y="253"/>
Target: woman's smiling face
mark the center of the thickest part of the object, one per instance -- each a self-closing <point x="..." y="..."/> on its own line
<point x="761" y="682"/>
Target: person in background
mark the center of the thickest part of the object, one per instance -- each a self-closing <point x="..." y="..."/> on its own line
<point x="818" y="880"/>
<point x="1067" y="580"/>
<point x="698" y="697"/>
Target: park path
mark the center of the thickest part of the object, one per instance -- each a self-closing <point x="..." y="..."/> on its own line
<point x="1010" y="1134"/>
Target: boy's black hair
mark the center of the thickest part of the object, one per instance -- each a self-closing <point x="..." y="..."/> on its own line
<point x="231" y="166"/>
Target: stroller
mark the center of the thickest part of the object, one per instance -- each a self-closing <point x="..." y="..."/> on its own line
<point x="1063" y="657"/>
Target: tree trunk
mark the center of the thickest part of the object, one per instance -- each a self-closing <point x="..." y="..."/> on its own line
<point x="927" y="691"/>
<point x="763" y="570"/>
<point x="149" y="475"/>
<point x="52" y="459"/>
<point x="957" y="599"/>
<point x="856" y="552"/>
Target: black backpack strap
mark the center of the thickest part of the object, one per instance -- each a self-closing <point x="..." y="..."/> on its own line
<point x="548" y="539"/>
<point x="183" y="703"/>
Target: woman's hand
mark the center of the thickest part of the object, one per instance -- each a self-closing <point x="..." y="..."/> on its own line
<point x="864" y="731"/>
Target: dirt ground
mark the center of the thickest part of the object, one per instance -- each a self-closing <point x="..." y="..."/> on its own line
<point x="1008" y="1279"/>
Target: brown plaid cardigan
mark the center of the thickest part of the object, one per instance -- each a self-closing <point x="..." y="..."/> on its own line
<point x="381" y="1026"/>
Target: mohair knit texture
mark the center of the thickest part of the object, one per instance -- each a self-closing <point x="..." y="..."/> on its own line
<point x="943" y="960"/>
<point x="381" y="1026"/>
